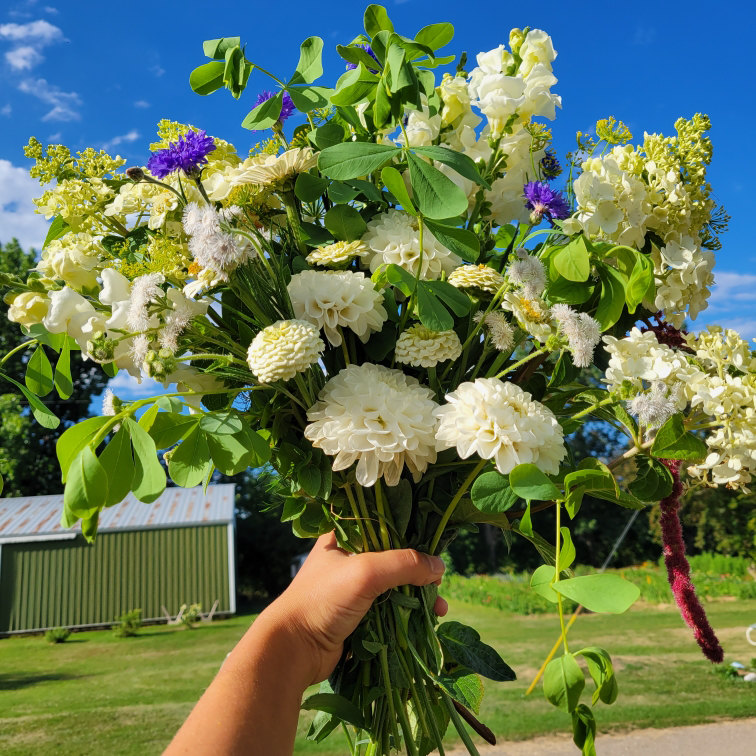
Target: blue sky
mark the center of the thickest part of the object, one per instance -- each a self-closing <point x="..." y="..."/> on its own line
<point x="88" y="73"/>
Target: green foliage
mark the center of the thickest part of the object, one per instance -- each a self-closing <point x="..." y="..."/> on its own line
<point x="128" y="624"/>
<point x="57" y="635"/>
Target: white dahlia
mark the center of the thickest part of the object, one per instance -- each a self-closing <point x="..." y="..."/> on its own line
<point x="378" y="417"/>
<point x="337" y="255"/>
<point x="477" y="277"/>
<point x="284" y="349"/>
<point x="393" y="237"/>
<point x="331" y="299"/>
<point x="420" y="347"/>
<point x="500" y="421"/>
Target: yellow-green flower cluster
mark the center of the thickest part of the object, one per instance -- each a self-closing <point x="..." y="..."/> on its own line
<point x="160" y="255"/>
<point x="79" y="202"/>
<point x="55" y="163"/>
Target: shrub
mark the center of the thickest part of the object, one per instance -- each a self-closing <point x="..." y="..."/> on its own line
<point x="57" y="635"/>
<point x="191" y="615"/>
<point x="128" y="624"/>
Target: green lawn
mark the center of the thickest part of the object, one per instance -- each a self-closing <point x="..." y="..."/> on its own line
<point x="96" y="694"/>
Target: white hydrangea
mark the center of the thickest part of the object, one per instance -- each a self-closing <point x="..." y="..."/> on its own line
<point x="284" y="349"/>
<point x="337" y="255"/>
<point x="480" y="278"/>
<point x="393" y="237"/>
<point x="499" y="421"/>
<point x="333" y="299"/>
<point x="378" y="417"/>
<point x="421" y="347"/>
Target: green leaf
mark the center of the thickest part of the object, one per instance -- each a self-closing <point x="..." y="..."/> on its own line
<point x="601" y="670"/>
<point x="340" y="193"/>
<point x="435" y="36"/>
<point x="57" y="228"/>
<point x="354" y="86"/>
<point x="338" y="706"/>
<point x="436" y="195"/>
<point x="232" y="454"/>
<point x="74" y="439"/>
<point x="603" y="592"/>
<point x="397" y="69"/>
<point x="148" y="418"/>
<point x="464" y="686"/>
<point x="87" y="485"/>
<point x="260" y="445"/>
<point x="612" y="300"/>
<point x="190" y="460"/>
<point x="526" y="523"/>
<point x="395" y="184"/>
<point x="357" y="55"/>
<point x="570" y="292"/>
<point x="265" y="114"/>
<point x="376" y="20"/>
<point x="563" y="682"/>
<point x="39" y="373"/>
<point x="325" y="136"/>
<point x="529" y="483"/>
<point x="173" y="403"/>
<point x="222" y="423"/>
<point x="491" y="493"/>
<point x="674" y="442"/>
<point x="293" y="508"/>
<point x="641" y="279"/>
<point x="653" y="480"/>
<point x="457" y="301"/>
<point x="63" y="379"/>
<point x="567" y="552"/>
<point x="310" y="188"/>
<point x="465" y="646"/>
<point x="310" y="66"/>
<point x="149" y="476"/>
<point x="463" y="243"/>
<point x="309" y="98"/>
<point x="41" y="413"/>
<point x="207" y="78"/>
<point x="584" y="730"/>
<point x="380" y="343"/>
<point x="216" y="48"/>
<point x="168" y="428"/>
<point x="541" y="582"/>
<point x="464" y="165"/>
<point x="354" y="159"/>
<point x="399" y="499"/>
<point x="308" y="476"/>
<point x="118" y="463"/>
<point x="431" y="312"/>
<point x="345" y="223"/>
<point x="573" y="261"/>
<point x="401" y="278"/>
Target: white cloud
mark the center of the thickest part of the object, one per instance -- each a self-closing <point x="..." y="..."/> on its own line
<point x="24" y="58"/>
<point x="54" y="137"/>
<point x="141" y="104"/>
<point x="17" y="216"/>
<point x="732" y="288"/>
<point x="28" y="40"/>
<point x="644" y="36"/>
<point x="132" y="136"/>
<point x="52" y="11"/>
<point x="157" y="69"/>
<point x="6" y="110"/>
<point x="125" y="386"/>
<point x="63" y="103"/>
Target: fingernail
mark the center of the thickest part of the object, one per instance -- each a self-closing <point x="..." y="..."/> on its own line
<point x="437" y="564"/>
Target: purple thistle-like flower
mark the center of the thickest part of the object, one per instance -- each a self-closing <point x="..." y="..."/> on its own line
<point x="678" y="569"/>
<point x="545" y="201"/>
<point x="187" y="154"/>
<point x="287" y="108"/>
<point x="369" y="51"/>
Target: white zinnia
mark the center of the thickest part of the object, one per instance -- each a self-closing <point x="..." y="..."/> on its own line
<point x="284" y="349"/>
<point x="420" y="347"/>
<point x="337" y="255"/>
<point x="378" y="417"/>
<point x="393" y="237"/>
<point x="500" y="421"/>
<point x="333" y="299"/>
<point x="480" y="277"/>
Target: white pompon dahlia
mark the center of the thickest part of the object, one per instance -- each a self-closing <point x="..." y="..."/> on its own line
<point x="337" y="255"/>
<point x="331" y="299"/>
<point x="394" y="237"/>
<point x="284" y="349"/>
<point x="481" y="278"/>
<point x="500" y="421"/>
<point x="420" y="347"/>
<point x="378" y="417"/>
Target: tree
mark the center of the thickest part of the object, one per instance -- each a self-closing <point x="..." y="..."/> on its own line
<point x="28" y="462"/>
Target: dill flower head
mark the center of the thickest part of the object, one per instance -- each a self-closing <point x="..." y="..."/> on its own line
<point x="333" y="299"/>
<point x="337" y="255"/>
<point x="284" y="349"/>
<point x="500" y="421"/>
<point x="378" y="417"/>
<point x="187" y="154"/>
<point x="480" y="278"/>
<point x="420" y="347"/>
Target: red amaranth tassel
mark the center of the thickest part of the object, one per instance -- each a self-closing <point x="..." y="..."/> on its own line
<point x="666" y="333"/>
<point x="678" y="570"/>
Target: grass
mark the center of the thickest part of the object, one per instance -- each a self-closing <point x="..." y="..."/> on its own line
<point x="97" y="694"/>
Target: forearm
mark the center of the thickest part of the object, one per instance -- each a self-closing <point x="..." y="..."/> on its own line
<point x="252" y="706"/>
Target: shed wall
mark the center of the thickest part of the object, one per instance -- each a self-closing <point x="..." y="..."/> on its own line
<point x="70" y="583"/>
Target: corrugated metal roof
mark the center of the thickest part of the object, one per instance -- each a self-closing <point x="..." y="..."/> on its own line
<point x="40" y="515"/>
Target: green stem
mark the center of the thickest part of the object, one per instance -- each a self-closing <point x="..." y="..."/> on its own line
<point x="453" y="504"/>
<point x="535" y="353"/>
<point x="227" y="357"/>
<point x="409" y="743"/>
<point x="387" y="680"/>
<point x="557" y="575"/>
<point x="365" y="517"/>
<point x="459" y="725"/>
<point x="17" y="349"/>
<point x="358" y="519"/>
<point x="385" y="539"/>
<point x="292" y="214"/>
<point x="305" y="393"/>
<point x="593" y="407"/>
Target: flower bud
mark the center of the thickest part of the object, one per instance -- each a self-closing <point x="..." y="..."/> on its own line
<point x="516" y="38"/>
<point x="135" y="173"/>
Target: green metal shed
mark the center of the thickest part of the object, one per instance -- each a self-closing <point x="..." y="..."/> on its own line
<point x="177" y="550"/>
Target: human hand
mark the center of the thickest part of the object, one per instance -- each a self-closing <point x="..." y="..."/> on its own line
<point x="334" y="590"/>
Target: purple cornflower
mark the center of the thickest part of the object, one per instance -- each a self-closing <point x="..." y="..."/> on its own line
<point x="187" y="155"/>
<point x="287" y="108"/>
<point x="369" y="51"/>
<point x="545" y="201"/>
<point x="678" y="569"/>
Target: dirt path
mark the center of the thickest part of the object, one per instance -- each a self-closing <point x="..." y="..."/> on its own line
<point x="735" y="738"/>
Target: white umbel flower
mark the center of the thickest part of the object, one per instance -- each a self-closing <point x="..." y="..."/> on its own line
<point x="332" y="299"/>
<point x="276" y="169"/>
<point x="500" y="421"/>
<point x="480" y="278"/>
<point x="284" y="349"/>
<point x="420" y="347"/>
<point x="378" y="417"/>
<point x="337" y="255"/>
<point x="393" y="237"/>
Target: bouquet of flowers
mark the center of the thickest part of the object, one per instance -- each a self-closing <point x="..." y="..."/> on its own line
<point x="394" y="308"/>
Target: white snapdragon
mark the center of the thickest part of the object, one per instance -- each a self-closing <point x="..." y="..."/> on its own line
<point x="28" y="308"/>
<point x="73" y="259"/>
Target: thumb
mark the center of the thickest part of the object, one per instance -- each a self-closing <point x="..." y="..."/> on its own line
<point x="379" y="571"/>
